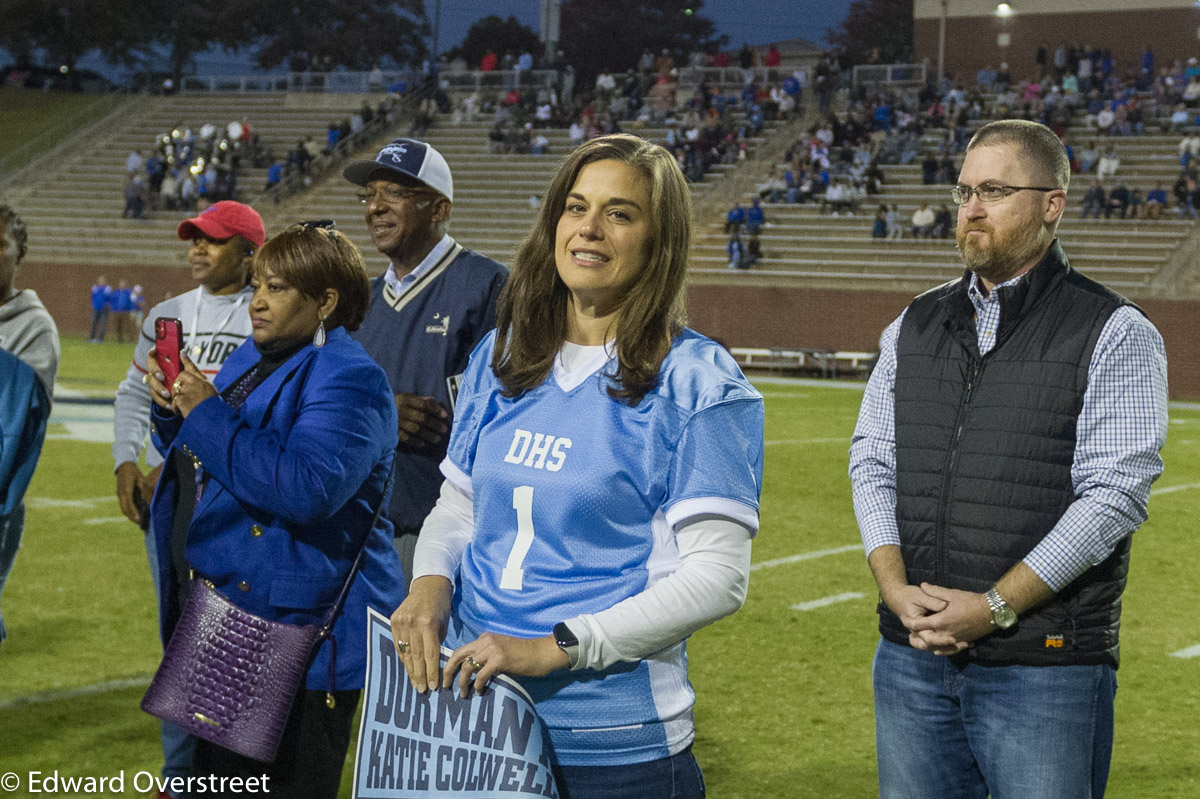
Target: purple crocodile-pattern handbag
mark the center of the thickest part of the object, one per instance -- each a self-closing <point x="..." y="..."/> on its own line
<point x="231" y="677"/>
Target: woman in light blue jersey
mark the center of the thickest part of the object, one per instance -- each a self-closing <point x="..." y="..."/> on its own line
<point x="602" y="485"/>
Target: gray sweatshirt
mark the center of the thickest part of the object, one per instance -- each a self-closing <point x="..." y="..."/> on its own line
<point x="28" y="332"/>
<point x="213" y="327"/>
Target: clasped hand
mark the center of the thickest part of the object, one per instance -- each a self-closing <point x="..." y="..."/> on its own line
<point x="422" y="424"/>
<point x="419" y="627"/>
<point x="941" y="620"/>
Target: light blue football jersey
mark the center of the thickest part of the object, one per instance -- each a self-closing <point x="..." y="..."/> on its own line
<point x="576" y="499"/>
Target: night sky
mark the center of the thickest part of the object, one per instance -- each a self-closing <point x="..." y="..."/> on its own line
<point x="752" y="21"/>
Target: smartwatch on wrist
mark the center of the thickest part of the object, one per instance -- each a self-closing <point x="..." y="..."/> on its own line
<point x="1003" y="616"/>
<point x="567" y="642"/>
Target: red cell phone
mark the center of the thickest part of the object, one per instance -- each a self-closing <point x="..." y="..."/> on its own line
<point x="168" y="343"/>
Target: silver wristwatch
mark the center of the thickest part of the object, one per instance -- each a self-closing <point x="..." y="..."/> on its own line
<point x="1003" y="616"/>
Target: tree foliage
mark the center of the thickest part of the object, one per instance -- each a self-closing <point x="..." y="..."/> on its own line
<point x="355" y="34"/>
<point x="499" y="35"/>
<point x="611" y="35"/>
<point x="350" y="33"/>
<point x="64" y="29"/>
<point x="886" y="24"/>
<point x="189" y="27"/>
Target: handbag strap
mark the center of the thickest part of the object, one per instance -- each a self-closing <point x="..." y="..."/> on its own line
<point x="336" y="608"/>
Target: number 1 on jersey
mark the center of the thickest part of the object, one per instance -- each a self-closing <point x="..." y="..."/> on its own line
<point x="512" y="578"/>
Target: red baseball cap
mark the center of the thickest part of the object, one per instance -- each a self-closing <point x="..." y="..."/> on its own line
<point x="224" y="219"/>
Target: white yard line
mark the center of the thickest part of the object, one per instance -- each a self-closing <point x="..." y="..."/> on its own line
<point x="106" y="520"/>
<point x="828" y="600"/>
<point x="797" y="441"/>
<point x="808" y="382"/>
<point x="1173" y="489"/>
<point x="46" y="502"/>
<point x="1190" y="652"/>
<point x="72" y="693"/>
<point x="820" y="553"/>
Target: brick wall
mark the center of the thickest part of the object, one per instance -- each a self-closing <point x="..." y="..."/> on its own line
<point x="852" y="320"/>
<point x="738" y="316"/>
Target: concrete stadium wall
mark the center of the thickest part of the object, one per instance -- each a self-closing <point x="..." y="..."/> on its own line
<point x="737" y="316"/>
<point x="972" y="41"/>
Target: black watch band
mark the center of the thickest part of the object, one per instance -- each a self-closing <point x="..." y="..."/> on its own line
<point x="567" y="642"/>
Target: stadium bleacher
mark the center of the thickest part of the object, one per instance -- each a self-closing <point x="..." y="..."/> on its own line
<point x="801" y="246"/>
<point x="73" y="203"/>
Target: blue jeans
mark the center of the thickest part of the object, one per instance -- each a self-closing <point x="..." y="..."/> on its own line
<point x="99" y="324"/>
<point x="1012" y="732"/>
<point x="178" y="746"/>
<point x="675" y="777"/>
<point x="11" y="527"/>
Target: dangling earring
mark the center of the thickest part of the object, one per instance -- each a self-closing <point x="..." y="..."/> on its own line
<point x="319" y="336"/>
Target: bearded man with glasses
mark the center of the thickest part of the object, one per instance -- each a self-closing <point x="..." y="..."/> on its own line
<point x="1002" y="459"/>
<point x="434" y="303"/>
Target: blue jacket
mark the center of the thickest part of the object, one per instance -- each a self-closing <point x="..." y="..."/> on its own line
<point x="24" y="409"/>
<point x="293" y="480"/>
<point x="101" y="297"/>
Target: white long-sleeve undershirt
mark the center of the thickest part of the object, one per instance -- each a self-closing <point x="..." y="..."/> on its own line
<point x="710" y="583"/>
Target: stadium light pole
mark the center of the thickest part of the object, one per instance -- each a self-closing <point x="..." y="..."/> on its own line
<point x="942" y="44"/>
<point x="437" y="23"/>
<point x="550" y="24"/>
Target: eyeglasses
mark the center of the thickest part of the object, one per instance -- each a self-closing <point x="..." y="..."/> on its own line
<point x="392" y="195"/>
<point x="990" y="192"/>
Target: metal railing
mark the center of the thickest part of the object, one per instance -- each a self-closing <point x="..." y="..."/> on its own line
<point x="894" y="74"/>
<point x="400" y="82"/>
<point x="690" y="78"/>
<point x="295" y="181"/>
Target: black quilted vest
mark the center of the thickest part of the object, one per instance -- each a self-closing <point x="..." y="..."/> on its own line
<point x="984" y="447"/>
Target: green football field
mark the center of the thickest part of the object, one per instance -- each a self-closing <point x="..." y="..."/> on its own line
<point x="783" y="687"/>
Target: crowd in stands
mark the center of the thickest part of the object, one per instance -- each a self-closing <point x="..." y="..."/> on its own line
<point x="186" y="168"/>
<point x="710" y="126"/>
<point x="311" y="155"/>
<point x="1149" y="202"/>
<point x="744" y="253"/>
<point x="838" y="161"/>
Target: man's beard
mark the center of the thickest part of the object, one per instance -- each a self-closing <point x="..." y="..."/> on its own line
<point x="999" y="257"/>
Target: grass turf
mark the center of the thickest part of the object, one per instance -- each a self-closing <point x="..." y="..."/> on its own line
<point x="29" y="113"/>
<point x="783" y="696"/>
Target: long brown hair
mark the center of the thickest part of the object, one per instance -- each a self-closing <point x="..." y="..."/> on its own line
<point x="532" y="309"/>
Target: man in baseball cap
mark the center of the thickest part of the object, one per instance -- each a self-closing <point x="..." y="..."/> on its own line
<point x="428" y="311"/>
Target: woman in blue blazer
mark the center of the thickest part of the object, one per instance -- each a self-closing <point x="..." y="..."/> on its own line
<point x="274" y="475"/>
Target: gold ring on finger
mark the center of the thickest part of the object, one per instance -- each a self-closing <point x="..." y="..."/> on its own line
<point x="176" y="386"/>
<point x="402" y="646"/>
<point x="474" y="664"/>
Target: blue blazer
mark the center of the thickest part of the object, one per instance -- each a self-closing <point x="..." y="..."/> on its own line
<point x="293" y="481"/>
